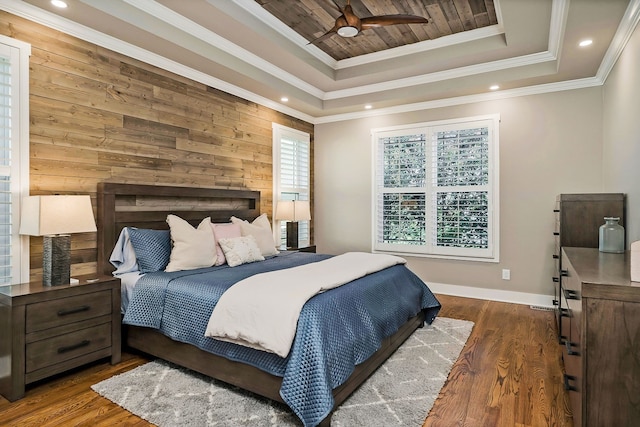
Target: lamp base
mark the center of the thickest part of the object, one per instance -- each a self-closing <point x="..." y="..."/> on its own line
<point x="292" y="234"/>
<point x="56" y="260"/>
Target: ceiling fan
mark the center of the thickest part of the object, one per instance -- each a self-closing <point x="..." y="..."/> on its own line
<point x="349" y="25"/>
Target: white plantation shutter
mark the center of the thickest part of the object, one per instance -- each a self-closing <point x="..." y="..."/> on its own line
<point x="402" y="197"/>
<point x="436" y="189"/>
<point x="14" y="168"/>
<point x="292" y="174"/>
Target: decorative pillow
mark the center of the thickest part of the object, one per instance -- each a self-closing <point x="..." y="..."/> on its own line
<point x="152" y="248"/>
<point x="260" y="228"/>
<point x="192" y="247"/>
<point x="240" y="250"/>
<point x="224" y="231"/>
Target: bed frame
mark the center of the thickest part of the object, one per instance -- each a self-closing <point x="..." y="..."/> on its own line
<point x="147" y="206"/>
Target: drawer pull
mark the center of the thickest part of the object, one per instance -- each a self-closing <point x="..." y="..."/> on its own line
<point x="555" y="233"/>
<point x="571" y="352"/>
<point x="556" y="279"/>
<point x="74" y="310"/>
<point x="555" y="302"/>
<point x="564" y="273"/>
<point x="568" y="386"/>
<point x="555" y="256"/>
<point x="81" y="344"/>
<point x="570" y="294"/>
<point x="564" y="312"/>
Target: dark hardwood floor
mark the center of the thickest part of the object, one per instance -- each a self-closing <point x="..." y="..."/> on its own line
<point x="509" y="374"/>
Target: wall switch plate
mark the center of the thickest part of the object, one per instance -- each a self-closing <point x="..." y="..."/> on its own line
<point x="506" y="274"/>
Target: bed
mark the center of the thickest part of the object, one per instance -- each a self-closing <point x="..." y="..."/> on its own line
<point x="278" y="378"/>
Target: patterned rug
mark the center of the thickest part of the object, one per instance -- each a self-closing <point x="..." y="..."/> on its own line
<point x="400" y="393"/>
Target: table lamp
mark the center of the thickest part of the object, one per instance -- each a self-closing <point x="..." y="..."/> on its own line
<point x="293" y="211"/>
<point x="55" y="218"/>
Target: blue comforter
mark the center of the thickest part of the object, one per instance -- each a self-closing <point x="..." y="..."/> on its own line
<point x="337" y="329"/>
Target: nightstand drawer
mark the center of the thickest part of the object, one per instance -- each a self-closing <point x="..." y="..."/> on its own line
<point x="62" y="311"/>
<point x="47" y="330"/>
<point x="57" y="349"/>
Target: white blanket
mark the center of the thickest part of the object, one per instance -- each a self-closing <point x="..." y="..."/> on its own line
<point x="262" y="311"/>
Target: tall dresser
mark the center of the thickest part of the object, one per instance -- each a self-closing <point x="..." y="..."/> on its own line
<point x="601" y="351"/>
<point x="578" y="219"/>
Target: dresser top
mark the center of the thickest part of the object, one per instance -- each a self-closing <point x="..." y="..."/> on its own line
<point x="589" y="197"/>
<point x="603" y="273"/>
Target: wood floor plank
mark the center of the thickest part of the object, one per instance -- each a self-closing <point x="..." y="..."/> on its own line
<point x="517" y="369"/>
<point x="509" y="374"/>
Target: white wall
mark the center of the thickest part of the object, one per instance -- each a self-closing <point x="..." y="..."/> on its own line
<point x="549" y="144"/>
<point x="621" y="141"/>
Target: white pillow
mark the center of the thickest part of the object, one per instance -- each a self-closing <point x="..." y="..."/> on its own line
<point x="191" y="247"/>
<point x="240" y="250"/>
<point x="260" y="228"/>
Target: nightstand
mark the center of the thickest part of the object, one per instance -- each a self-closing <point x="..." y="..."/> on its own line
<point x="46" y="330"/>
<point x="310" y="248"/>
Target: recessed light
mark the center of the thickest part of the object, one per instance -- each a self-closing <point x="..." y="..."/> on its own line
<point x="584" y="43"/>
<point x="494" y="87"/>
<point x="368" y="107"/>
<point x="59" y="3"/>
<point x="284" y="99"/>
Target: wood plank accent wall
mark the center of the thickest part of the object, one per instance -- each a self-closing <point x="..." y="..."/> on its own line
<point x="97" y="115"/>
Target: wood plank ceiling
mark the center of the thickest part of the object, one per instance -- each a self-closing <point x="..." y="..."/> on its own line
<point x="312" y="18"/>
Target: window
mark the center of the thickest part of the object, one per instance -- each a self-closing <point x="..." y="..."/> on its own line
<point x="291" y="175"/>
<point x="436" y="189"/>
<point x="14" y="157"/>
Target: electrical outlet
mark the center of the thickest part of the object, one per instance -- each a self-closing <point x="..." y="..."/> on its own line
<point x="506" y="274"/>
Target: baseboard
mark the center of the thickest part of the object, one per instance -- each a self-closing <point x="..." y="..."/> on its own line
<point x="492" y="294"/>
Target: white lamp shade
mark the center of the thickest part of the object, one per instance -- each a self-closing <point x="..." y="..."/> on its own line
<point x="50" y="215"/>
<point x="293" y="210"/>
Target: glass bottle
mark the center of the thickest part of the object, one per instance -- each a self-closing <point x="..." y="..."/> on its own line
<point x="611" y="236"/>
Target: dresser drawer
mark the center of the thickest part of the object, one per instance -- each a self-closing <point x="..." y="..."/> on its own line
<point x="572" y="290"/>
<point x="57" y="349"/>
<point x="62" y="311"/>
<point x="572" y="356"/>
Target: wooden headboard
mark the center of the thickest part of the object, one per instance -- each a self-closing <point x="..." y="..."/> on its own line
<point x="147" y="206"/>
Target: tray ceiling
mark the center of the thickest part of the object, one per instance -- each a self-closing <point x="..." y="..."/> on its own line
<point x="313" y="18"/>
<point x="261" y="52"/>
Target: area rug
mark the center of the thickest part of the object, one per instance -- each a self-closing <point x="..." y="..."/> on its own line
<point x="400" y="393"/>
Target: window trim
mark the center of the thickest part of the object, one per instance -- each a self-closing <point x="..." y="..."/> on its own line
<point x="20" y="53"/>
<point x="278" y="132"/>
<point x="467" y="254"/>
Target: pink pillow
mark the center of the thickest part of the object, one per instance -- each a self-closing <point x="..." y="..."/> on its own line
<point x="224" y="231"/>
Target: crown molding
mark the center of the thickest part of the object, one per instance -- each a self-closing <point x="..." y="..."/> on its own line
<point x="471" y="70"/>
<point x="274" y="23"/>
<point x="559" y="15"/>
<point x="74" y="29"/>
<point x="252" y="7"/>
<point x="625" y="30"/>
<point x="469" y="99"/>
<point x="206" y="36"/>
<point x="424" y="46"/>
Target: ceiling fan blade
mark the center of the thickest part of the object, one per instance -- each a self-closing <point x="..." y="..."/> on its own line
<point x="380" y="21"/>
<point x="337" y="6"/>
<point x="323" y="37"/>
<point x="342" y="21"/>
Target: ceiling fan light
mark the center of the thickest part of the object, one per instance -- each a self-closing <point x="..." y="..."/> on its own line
<point x="347" y="31"/>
